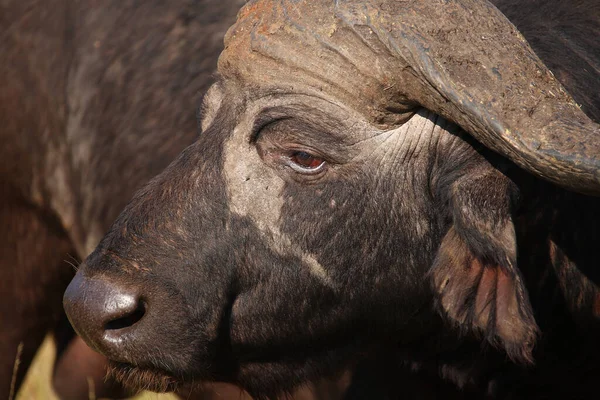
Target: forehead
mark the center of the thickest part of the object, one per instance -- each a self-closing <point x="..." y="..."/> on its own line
<point x="301" y="48"/>
<point x="252" y="108"/>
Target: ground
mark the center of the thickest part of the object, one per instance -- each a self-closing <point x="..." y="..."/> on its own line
<point x="37" y="383"/>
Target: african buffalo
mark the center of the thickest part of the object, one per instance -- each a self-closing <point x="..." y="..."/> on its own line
<point x="400" y="181"/>
<point x="95" y="99"/>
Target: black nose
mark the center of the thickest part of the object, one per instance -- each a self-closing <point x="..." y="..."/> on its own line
<point x="103" y="313"/>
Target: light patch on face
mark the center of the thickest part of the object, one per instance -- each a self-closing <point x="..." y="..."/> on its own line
<point x="210" y="105"/>
<point x="255" y="191"/>
<point x="317" y="269"/>
<point x="283" y="246"/>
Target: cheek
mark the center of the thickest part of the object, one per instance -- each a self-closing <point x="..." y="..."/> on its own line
<point x="361" y="236"/>
<point x="334" y="223"/>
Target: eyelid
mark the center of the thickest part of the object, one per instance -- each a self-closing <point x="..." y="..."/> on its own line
<point x="293" y="147"/>
<point x="262" y="121"/>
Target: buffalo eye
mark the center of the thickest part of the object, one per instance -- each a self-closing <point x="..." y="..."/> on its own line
<point x="304" y="162"/>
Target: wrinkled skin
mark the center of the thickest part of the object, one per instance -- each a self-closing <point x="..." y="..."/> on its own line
<point x="310" y="226"/>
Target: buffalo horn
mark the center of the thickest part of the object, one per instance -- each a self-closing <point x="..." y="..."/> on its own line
<point x="462" y="59"/>
<point x="472" y="66"/>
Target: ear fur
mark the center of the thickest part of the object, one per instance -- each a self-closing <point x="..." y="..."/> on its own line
<point x="475" y="274"/>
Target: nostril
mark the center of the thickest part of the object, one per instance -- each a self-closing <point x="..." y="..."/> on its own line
<point x="127" y="320"/>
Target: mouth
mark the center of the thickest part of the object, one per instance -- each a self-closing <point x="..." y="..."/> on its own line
<point x="143" y="378"/>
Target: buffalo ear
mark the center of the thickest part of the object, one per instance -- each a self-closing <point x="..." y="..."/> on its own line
<point x="475" y="274"/>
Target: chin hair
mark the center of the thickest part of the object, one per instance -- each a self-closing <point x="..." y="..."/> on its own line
<point x="140" y="378"/>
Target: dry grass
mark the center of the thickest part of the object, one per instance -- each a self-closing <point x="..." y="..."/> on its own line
<point x="37" y="383"/>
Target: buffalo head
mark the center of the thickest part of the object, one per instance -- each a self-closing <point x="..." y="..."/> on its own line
<point x="339" y="190"/>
